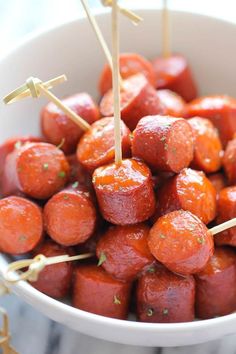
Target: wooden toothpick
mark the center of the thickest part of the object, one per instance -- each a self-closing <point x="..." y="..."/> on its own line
<point x="224" y="226"/>
<point x="35" y="87"/>
<point x="13" y="272"/>
<point x="166" y="47"/>
<point x="115" y="82"/>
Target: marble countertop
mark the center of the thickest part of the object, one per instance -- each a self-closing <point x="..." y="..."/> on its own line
<point x="33" y="333"/>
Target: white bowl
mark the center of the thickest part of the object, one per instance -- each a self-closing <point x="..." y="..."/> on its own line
<point x="72" y="49"/>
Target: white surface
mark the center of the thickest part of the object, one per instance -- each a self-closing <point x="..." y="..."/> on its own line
<point x="208" y="45"/>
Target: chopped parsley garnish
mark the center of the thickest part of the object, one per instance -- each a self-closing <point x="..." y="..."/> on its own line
<point x="116" y="300"/>
<point x="62" y="174"/>
<point x="102" y="259"/>
<point x="165" y="311"/>
<point x="75" y="184"/>
<point x="151" y="270"/>
<point x="162" y="236"/>
<point x="200" y="240"/>
<point x="18" y="144"/>
<point x="45" y="166"/>
<point x="150" y="312"/>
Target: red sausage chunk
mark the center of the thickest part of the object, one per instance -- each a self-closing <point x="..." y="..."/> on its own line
<point x="138" y="99"/>
<point x="97" y="146"/>
<point x="226" y="211"/>
<point x="189" y="190"/>
<point x="173" y="73"/>
<point x="125" y="250"/>
<point x="218" y="180"/>
<point x="207" y="145"/>
<point x="164" y="143"/>
<point x="165" y="297"/>
<point x="98" y="292"/>
<point x="21" y="225"/>
<point x="56" y="126"/>
<point x="70" y="216"/>
<point x="130" y="64"/>
<point x="173" y="103"/>
<point x="220" y="110"/>
<point x="37" y="169"/>
<point x="54" y="280"/>
<point x="181" y="242"/>
<point x="216" y="285"/>
<point x="229" y="161"/>
<point x="124" y="192"/>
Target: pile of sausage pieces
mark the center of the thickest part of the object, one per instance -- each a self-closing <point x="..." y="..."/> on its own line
<point x="143" y="219"/>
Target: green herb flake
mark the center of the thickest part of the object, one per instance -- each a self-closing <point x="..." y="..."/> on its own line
<point x="102" y="259"/>
<point x="116" y="300"/>
<point x="65" y="196"/>
<point x="162" y="236"/>
<point x="165" y="311"/>
<point x="62" y="174"/>
<point x="22" y="238"/>
<point x="151" y="270"/>
<point x="75" y="184"/>
<point x="45" y="166"/>
<point x="200" y="240"/>
<point x="163" y="138"/>
<point x="150" y="312"/>
<point x="18" y="144"/>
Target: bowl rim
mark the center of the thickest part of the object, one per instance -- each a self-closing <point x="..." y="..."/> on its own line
<point x="24" y="288"/>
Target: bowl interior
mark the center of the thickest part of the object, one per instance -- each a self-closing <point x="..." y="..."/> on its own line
<point x="72" y="49"/>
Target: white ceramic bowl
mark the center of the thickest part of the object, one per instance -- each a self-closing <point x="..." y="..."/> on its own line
<point x="72" y="49"/>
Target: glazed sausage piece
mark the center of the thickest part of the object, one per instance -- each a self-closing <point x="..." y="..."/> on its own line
<point x="173" y="103"/>
<point x="14" y="143"/>
<point x="218" y="180"/>
<point x="226" y="210"/>
<point x="21" y="225"/>
<point x="138" y="99"/>
<point x="54" y="280"/>
<point x="56" y="126"/>
<point x="181" y="242"/>
<point x="37" y="169"/>
<point x="97" y="146"/>
<point x="164" y="143"/>
<point x="98" y="292"/>
<point x="189" y="190"/>
<point x="220" y="110"/>
<point x="216" y="285"/>
<point x="124" y="250"/>
<point x="130" y="64"/>
<point x="124" y="192"/>
<point x="163" y="296"/>
<point x="208" y="150"/>
<point x="229" y="161"/>
<point x="173" y="73"/>
<point x="70" y="216"/>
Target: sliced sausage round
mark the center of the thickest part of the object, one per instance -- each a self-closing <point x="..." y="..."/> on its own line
<point x="37" y="169"/>
<point x="124" y="250"/>
<point x="216" y="285"/>
<point x="21" y="225"/>
<point x="173" y="73"/>
<point x="226" y="210"/>
<point x="138" y="99"/>
<point x="125" y="192"/>
<point x="164" y="143"/>
<point x="56" y="126"/>
<point x="208" y="150"/>
<point x="130" y="64"/>
<point x="220" y="110"/>
<point x="229" y="161"/>
<point x="189" y="190"/>
<point x="181" y="242"/>
<point x="97" y="292"/>
<point x="173" y="103"/>
<point x="163" y="296"/>
<point x="97" y="146"/>
<point x="70" y="216"/>
<point x="54" y="280"/>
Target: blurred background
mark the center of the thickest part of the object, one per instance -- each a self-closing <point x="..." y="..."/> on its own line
<point x="19" y="18"/>
<point x="33" y="333"/>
